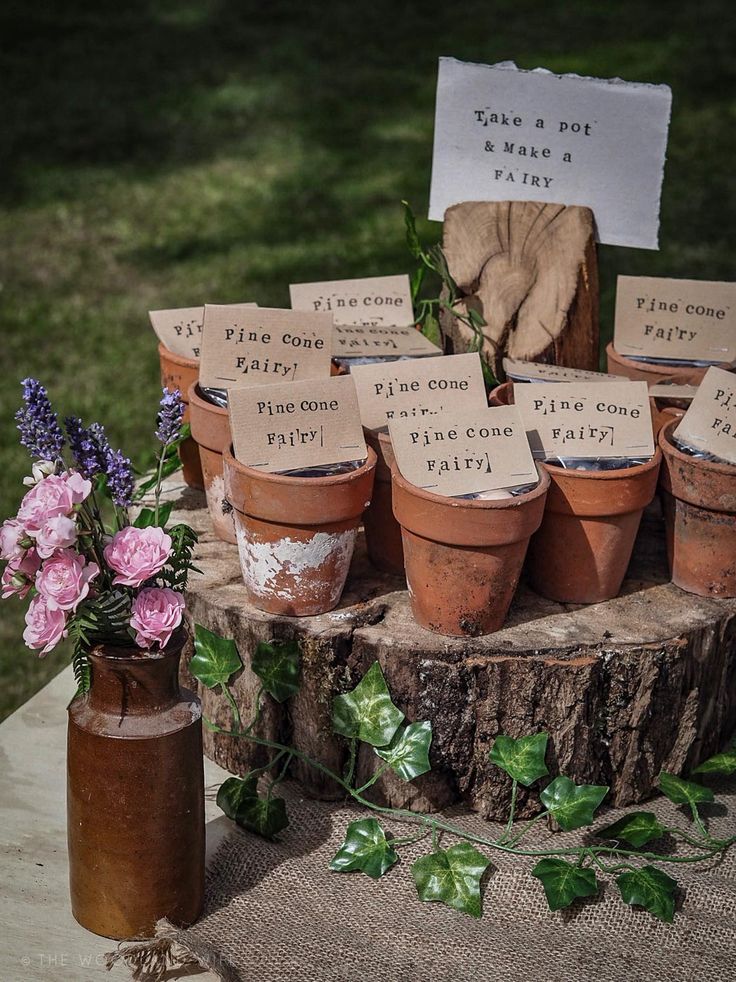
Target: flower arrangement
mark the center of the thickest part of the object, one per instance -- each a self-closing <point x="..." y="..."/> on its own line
<point x="91" y="574"/>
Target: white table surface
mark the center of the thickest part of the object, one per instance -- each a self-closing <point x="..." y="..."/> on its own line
<point x="39" y="938"/>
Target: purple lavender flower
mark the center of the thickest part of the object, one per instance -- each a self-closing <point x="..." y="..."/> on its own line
<point x="120" y="479"/>
<point x="38" y="424"/>
<point x="170" y="414"/>
<point x="88" y="445"/>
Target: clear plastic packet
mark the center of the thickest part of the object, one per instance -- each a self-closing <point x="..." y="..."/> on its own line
<point x="324" y="470"/>
<point x="698" y="454"/>
<point x="218" y="397"/>
<point x="497" y="495"/>
<point x="597" y="463"/>
<point x="369" y="360"/>
<point x="675" y="362"/>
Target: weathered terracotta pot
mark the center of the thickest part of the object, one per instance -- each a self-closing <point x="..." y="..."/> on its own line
<point x="699" y="500"/>
<point x="135" y="795"/>
<point x="662" y="412"/>
<point x="296" y="535"/>
<point x="211" y="430"/>
<point x="583" y="547"/>
<point x="463" y="557"/>
<point x="503" y="394"/>
<point x="382" y="531"/>
<point x="181" y="373"/>
<point x="652" y="373"/>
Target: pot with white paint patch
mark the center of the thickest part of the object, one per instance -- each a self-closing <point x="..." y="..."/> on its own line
<point x="211" y="431"/>
<point x="296" y="535"/>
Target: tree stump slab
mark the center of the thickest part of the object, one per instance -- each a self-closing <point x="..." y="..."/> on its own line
<point x="624" y="688"/>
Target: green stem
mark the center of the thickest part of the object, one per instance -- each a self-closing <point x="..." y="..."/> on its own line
<point x="530" y="825"/>
<point x="159" y="473"/>
<point x="233" y="709"/>
<point x="512" y="810"/>
<point x="350" y="771"/>
<point x="699" y="823"/>
<point x="381" y="770"/>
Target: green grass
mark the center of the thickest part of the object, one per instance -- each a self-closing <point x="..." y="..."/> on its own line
<point x="166" y="153"/>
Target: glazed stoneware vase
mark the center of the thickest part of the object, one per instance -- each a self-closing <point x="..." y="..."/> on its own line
<point x="135" y="795"/>
<point x="180" y="373"/>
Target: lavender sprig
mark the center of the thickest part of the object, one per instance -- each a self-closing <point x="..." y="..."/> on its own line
<point x="89" y="446"/>
<point x="120" y="479"/>
<point x="38" y="424"/>
<point x="170" y="414"/>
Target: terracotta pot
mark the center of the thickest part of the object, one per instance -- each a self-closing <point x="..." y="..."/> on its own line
<point x="699" y="499"/>
<point x="382" y="531"/>
<point x="211" y="430"/>
<point x="503" y="394"/>
<point x="662" y="412"/>
<point x="652" y="373"/>
<point x="181" y="373"/>
<point x="296" y="535"/>
<point x="135" y="795"/>
<point x="464" y="557"/>
<point x="583" y="547"/>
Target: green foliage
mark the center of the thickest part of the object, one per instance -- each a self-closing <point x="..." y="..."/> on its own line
<point x="102" y="620"/>
<point x="412" y="238"/>
<point x="637" y="829"/>
<point x="522" y="759"/>
<point x="572" y="805"/>
<point x="276" y="663"/>
<point x="431" y="329"/>
<point x="564" y="882"/>
<point x="366" y="849"/>
<point x="239" y="800"/>
<point x="176" y="572"/>
<point x="147" y="516"/>
<point x="408" y="752"/>
<point x="215" y="659"/>
<point x="682" y="792"/>
<point x="367" y="713"/>
<point x="651" y="889"/>
<point x="724" y="763"/>
<point x="452" y="876"/>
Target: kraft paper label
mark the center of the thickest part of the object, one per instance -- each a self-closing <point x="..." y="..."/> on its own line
<point x="502" y="134"/>
<point x="179" y="330"/>
<point x="418" y="390"/>
<point x="663" y="391"/>
<point x="357" y="341"/>
<point x="243" y="346"/>
<point x="465" y="451"/>
<point x="710" y="422"/>
<point x="297" y="424"/>
<point x="692" y="320"/>
<point x="584" y="419"/>
<point x="370" y="301"/>
<point x="533" y="371"/>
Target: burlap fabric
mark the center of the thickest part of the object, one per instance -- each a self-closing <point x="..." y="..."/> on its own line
<point x="276" y="912"/>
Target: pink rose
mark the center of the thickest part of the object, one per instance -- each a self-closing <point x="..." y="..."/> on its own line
<point x="156" y="613"/>
<point x="59" y="532"/>
<point x="64" y="580"/>
<point x="19" y="574"/>
<point x="55" y="495"/>
<point x="45" y="626"/>
<point x="11" y="532"/>
<point x="137" y="554"/>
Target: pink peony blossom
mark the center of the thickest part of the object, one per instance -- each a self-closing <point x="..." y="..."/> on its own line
<point x="156" y="614"/>
<point x="11" y="532"/>
<point x="137" y="554"/>
<point x="64" y="580"/>
<point x="59" y="532"/>
<point x="55" y="495"/>
<point x="19" y="575"/>
<point x="45" y="626"/>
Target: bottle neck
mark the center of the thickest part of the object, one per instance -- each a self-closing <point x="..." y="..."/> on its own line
<point x="130" y="682"/>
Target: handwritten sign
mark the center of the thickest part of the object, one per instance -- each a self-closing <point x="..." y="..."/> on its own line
<point x="465" y="451"/>
<point x="686" y="320"/>
<point x="243" y="346"/>
<point x="502" y="134"/>
<point x="532" y="371"/>
<point x="369" y="301"/>
<point x="179" y="330"/>
<point x="297" y="424"/>
<point x="710" y="422"/>
<point x="413" y="390"/>
<point x="584" y="419"/>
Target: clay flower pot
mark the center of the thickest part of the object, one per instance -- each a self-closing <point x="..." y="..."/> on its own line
<point x="181" y="373"/>
<point x="296" y="535"/>
<point x="652" y="373"/>
<point x="135" y="795"/>
<point x="211" y="430"/>
<point x="582" y="549"/>
<point x="502" y="395"/>
<point x="699" y="499"/>
<point x="464" y="557"/>
<point x="382" y="531"/>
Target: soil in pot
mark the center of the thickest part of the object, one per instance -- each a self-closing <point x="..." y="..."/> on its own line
<point x="382" y="531"/>
<point x="211" y="430"/>
<point x="699" y="502"/>
<point x="181" y="373"/>
<point x="296" y="535"/>
<point x="463" y="557"/>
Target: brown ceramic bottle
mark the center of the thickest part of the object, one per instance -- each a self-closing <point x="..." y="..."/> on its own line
<point x="179" y="373"/>
<point x="135" y="795"/>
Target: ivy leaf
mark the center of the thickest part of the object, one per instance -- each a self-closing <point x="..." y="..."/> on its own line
<point x="431" y="329"/>
<point x="452" y="876"/>
<point x="215" y="659"/>
<point x="572" y="805"/>
<point x="637" y="829"/>
<point x="724" y="763"/>
<point x="366" y="849"/>
<point x="682" y="792"/>
<point x="522" y="759"/>
<point x="367" y="711"/>
<point x="563" y="882"/>
<point x="147" y="516"/>
<point x="651" y="889"/>
<point x="412" y="239"/>
<point x="408" y="752"/>
<point x="238" y="798"/>
<point x="276" y="663"/>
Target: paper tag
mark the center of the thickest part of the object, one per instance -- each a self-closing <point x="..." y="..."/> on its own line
<point x="502" y="134"/>
<point x="357" y="341"/>
<point x="297" y="424"/>
<point x="243" y="345"/>
<point x="663" y="391"/>
<point x="466" y="451"/>
<point x="710" y="422"/>
<point x="179" y="330"/>
<point x="585" y="419"/>
<point x="692" y="320"/>
<point x="416" y="390"/>
<point x="537" y="372"/>
<point x="369" y="301"/>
